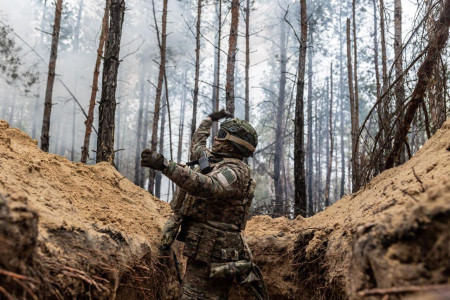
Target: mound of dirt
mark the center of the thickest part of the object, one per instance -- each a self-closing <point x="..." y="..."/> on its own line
<point x="391" y="238"/>
<point x="97" y="234"/>
<point x="76" y="231"/>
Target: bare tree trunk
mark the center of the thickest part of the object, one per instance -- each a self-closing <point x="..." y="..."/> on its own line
<point x="247" y="62"/>
<point x="107" y="107"/>
<point x="181" y="125"/>
<point x="197" y="70"/>
<point x="385" y="104"/>
<point x="90" y="119"/>
<point x="231" y="61"/>
<point x="45" y="137"/>
<point x="310" y="133"/>
<point x="158" y="175"/>
<point x="144" y="140"/>
<point x="216" y="86"/>
<point x="381" y="118"/>
<point x="342" y="106"/>
<point x="354" y="131"/>
<point x="279" y="136"/>
<point x="317" y="153"/>
<point x="355" y="54"/>
<point x="436" y="44"/>
<point x="400" y="87"/>
<point x="330" y="163"/>
<point x="162" y="66"/>
<point x="300" y="202"/>
<point x="137" y="159"/>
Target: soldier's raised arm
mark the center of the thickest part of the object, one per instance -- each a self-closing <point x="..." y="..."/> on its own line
<point x="203" y="131"/>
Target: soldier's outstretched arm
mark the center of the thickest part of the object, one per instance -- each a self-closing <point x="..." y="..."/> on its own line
<point x="203" y="131"/>
<point x="228" y="181"/>
<point x="199" y="139"/>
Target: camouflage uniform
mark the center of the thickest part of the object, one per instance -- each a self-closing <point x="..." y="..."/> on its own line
<point x="214" y="211"/>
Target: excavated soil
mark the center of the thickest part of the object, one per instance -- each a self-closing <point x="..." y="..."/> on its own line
<point x="94" y="233"/>
<point x="78" y="231"/>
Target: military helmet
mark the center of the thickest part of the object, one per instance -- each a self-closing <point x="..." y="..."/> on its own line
<point x="241" y="134"/>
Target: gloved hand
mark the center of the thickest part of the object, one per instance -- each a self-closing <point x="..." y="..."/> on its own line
<point x="217" y="115"/>
<point x="153" y="159"/>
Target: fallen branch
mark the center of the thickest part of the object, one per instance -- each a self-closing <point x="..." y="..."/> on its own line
<point x="404" y="289"/>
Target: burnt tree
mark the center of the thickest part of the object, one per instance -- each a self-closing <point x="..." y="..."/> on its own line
<point x="90" y="119"/>
<point x="45" y="136"/>
<point x="107" y="107"/>
<point x="300" y="202"/>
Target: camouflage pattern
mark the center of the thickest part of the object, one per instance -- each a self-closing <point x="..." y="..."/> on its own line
<point x="214" y="210"/>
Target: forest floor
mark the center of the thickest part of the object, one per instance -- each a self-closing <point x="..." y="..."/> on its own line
<point x="74" y="230"/>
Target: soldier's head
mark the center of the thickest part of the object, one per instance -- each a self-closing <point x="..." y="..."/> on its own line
<point x="238" y="134"/>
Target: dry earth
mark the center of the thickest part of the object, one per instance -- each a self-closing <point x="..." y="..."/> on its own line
<point x="69" y="230"/>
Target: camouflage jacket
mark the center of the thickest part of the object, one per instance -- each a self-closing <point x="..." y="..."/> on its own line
<point x="216" y="206"/>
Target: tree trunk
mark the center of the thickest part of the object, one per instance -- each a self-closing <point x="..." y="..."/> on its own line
<point x="400" y="87"/>
<point x="107" y="107"/>
<point x="247" y="62"/>
<point x="158" y="175"/>
<point x="45" y="137"/>
<point x="354" y="131"/>
<point x="355" y="54"/>
<point x="144" y="140"/>
<point x="385" y="104"/>
<point x="216" y="85"/>
<point x="162" y="66"/>
<point x="300" y="202"/>
<point x="197" y="70"/>
<point x="330" y="162"/>
<point x="342" y="106"/>
<point x="181" y="125"/>
<point x="279" y="136"/>
<point x="436" y="44"/>
<point x="137" y="159"/>
<point x="310" y="133"/>
<point x="231" y="61"/>
<point x="90" y="119"/>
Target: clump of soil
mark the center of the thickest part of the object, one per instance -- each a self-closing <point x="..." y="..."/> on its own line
<point x="97" y="234"/>
<point x="394" y="232"/>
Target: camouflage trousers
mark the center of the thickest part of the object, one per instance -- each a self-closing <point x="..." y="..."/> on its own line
<point x="198" y="285"/>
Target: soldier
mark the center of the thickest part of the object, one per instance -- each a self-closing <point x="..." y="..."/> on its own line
<point x="212" y="204"/>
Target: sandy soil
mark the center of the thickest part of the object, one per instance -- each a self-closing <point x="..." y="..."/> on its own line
<point x="98" y="233"/>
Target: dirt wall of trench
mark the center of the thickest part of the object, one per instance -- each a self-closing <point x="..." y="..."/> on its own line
<point x="81" y="231"/>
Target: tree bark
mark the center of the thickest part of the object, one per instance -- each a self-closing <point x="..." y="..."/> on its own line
<point x="162" y="66"/>
<point x="137" y="159"/>
<point x="342" y="106"/>
<point x="231" y="61"/>
<point x="279" y="136"/>
<point x="90" y="119"/>
<point x="181" y="124"/>
<point x="197" y="70"/>
<point x="355" y="57"/>
<point x="107" y="107"/>
<point x="310" y="133"/>
<point x="354" y="131"/>
<point x="158" y="175"/>
<point x="330" y="162"/>
<point x="435" y="46"/>
<point x="300" y="201"/>
<point x="45" y="137"/>
<point x="144" y="140"/>
<point x="247" y="62"/>
<point x="216" y="86"/>
<point x="385" y="103"/>
<point x="400" y="87"/>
